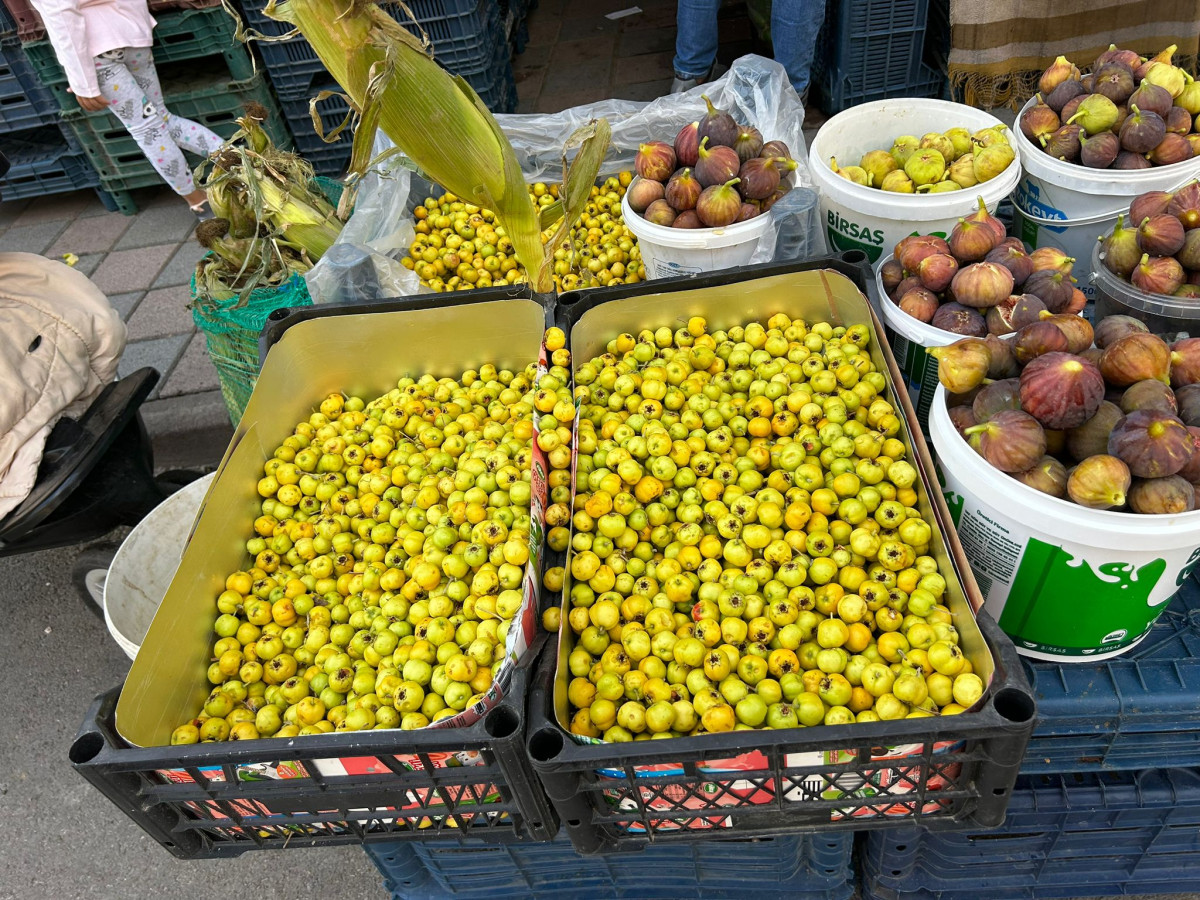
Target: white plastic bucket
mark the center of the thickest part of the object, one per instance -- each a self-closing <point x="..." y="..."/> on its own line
<point x="146" y="562"/>
<point x="908" y="338"/>
<point x="1066" y="583"/>
<point x="1069" y="206"/>
<point x="874" y="221"/>
<point x="668" y="252"/>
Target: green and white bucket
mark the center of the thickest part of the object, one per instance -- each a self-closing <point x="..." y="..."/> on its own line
<point x="874" y="221"/>
<point x="1069" y="206"/>
<point x="1066" y="583"/>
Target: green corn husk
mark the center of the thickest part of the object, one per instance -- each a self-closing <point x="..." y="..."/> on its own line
<point x="436" y="120"/>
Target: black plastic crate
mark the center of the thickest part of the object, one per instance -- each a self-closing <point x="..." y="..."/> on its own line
<point x="795" y="867"/>
<point x="872" y="50"/>
<point x="224" y="799"/>
<point x="953" y="772"/>
<point x="24" y="102"/>
<point x="42" y="162"/>
<point x="1138" y="710"/>
<point x="1081" y="835"/>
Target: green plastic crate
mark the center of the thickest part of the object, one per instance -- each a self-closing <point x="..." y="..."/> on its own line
<point x="187" y="35"/>
<point x="214" y="103"/>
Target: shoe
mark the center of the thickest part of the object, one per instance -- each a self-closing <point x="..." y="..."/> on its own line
<point x="202" y="212"/>
<point x="681" y="84"/>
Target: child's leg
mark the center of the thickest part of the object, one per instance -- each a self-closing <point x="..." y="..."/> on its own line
<point x="183" y="132"/>
<point x="144" y="121"/>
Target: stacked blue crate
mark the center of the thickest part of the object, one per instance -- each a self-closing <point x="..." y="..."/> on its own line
<point x="1108" y="801"/>
<point x="796" y="867"/>
<point x="468" y="37"/>
<point x="44" y="158"/>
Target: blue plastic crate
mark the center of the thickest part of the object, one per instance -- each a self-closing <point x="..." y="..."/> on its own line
<point x="463" y="33"/>
<point x="872" y="50"/>
<point x="1080" y="835"/>
<point x="799" y="867"/>
<point x="24" y="102"/>
<point x="1139" y="710"/>
<point x="41" y="162"/>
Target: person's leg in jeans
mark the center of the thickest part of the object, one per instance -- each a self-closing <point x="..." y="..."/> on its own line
<point x="695" y="41"/>
<point x="129" y="82"/>
<point x="794" y="27"/>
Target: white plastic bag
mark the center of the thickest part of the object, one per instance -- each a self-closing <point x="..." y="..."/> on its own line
<point x="755" y="90"/>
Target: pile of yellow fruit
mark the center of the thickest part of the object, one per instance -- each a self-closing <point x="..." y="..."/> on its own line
<point x="745" y="547"/>
<point x="459" y="246"/>
<point x="388" y="562"/>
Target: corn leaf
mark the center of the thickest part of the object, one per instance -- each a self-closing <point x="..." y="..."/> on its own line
<point x="578" y="179"/>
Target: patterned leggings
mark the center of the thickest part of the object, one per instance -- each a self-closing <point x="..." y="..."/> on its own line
<point x="129" y="82"/>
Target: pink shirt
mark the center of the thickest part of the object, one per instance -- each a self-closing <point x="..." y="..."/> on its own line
<point x="80" y="30"/>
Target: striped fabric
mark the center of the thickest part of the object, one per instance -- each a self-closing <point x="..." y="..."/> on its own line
<point x="998" y="48"/>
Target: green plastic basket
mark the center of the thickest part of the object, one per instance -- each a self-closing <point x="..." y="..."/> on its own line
<point x="231" y="327"/>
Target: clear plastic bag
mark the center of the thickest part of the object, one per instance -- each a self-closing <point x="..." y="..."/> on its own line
<point x="755" y="90"/>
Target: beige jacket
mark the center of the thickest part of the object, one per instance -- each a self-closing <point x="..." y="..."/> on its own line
<point x="60" y="341"/>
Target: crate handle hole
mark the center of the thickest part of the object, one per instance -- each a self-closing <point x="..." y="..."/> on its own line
<point x="999" y="792"/>
<point x="545" y="744"/>
<point x="1015" y="706"/>
<point x="502" y="722"/>
<point x="86" y="747"/>
<point x="854" y="257"/>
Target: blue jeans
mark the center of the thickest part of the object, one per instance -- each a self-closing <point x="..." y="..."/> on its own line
<point x="794" y="27"/>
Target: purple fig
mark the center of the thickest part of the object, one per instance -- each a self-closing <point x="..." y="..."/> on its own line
<point x="1120" y="251"/>
<point x="1160" y="235"/>
<point x="748" y="143"/>
<point x="1189" y="253"/>
<point x="687" y="219"/>
<point x="1016" y="260"/>
<point x="1173" y="148"/>
<point x="1039" y="121"/>
<point x="1053" y="288"/>
<point x="1099" y="151"/>
<point x="655" y="160"/>
<point x="959" y="319"/>
<point x="1185" y="362"/>
<point x="1151" y="203"/>
<point x="1157" y="275"/>
<point x="1057" y="98"/>
<point x="962" y="418"/>
<point x="1126" y="161"/>
<point x="999" y="317"/>
<point x="1185" y="206"/>
<point x="715" y="165"/>
<point x="1128" y="58"/>
<point x="1072" y="106"/>
<point x="937" y="271"/>
<point x="1167" y="496"/>
<point x="1114" y="81"/>
<point x="1091" y="438"/>
<point x="1061" y="390"/>
<point x="1048" y="476"/>
<point x="1152" y="443"/>
<point x="981" y="285"/>
<point x="1188" y="398"/>
<point x="719" y="204"/>
<point x="1134" y="356"/>
<point x="1037" y="340"/>
<point x="1004" y="394"/>
<point x="659" y="212"/>
<point x="1191" y="471"/>
<point x="683" y="190"/>
<point x="1111" y="328"/>
<point x="914" y="248"/>
<point x="1004" y="364"/>
<point x="759" y="178"/>
<point x="1064" y="143"/>
<point x="643" y="192"/>
<point x="891" y="273"/>
<point x="1077" y="330"/>
<point x="1142" y="131"/>
<point x="687" y="143"/>
<point x="775" y="148"/>
<point x="717" y="125"/>
<point x="1027" y="310"/>
<point x="920" y="304"/>
<point x="1179" y="120"/>
<point x="1149" y="394"/>
<point x="749" y="210"/>
<point x="1011" y="440"/>
<point x="1151" y="98"/>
